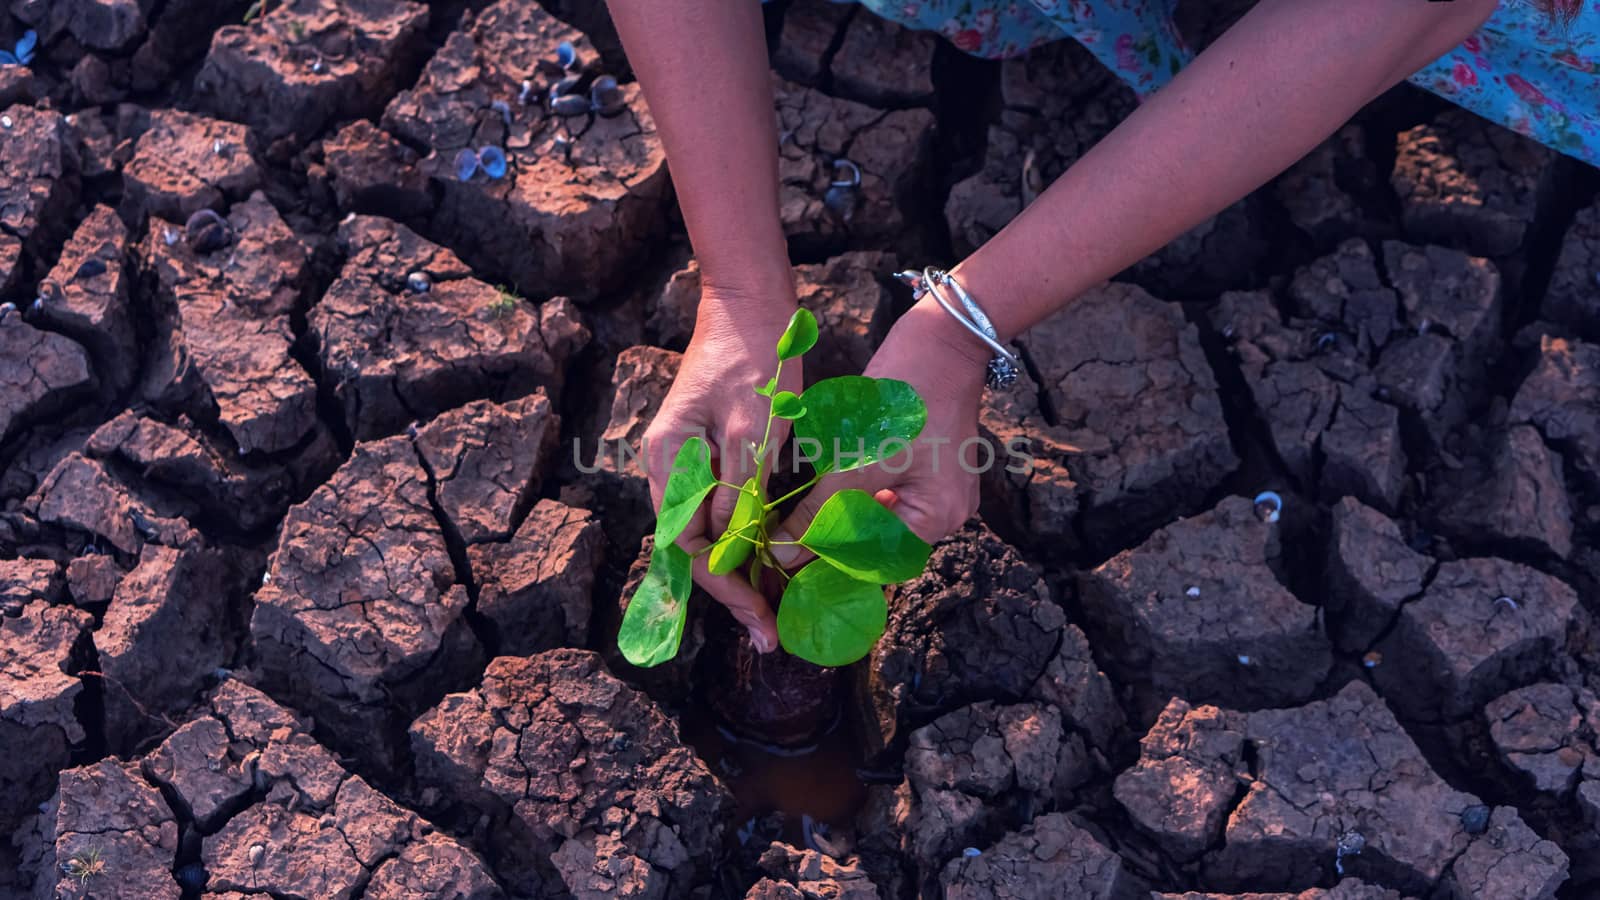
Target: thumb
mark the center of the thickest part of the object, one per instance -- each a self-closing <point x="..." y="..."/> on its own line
<point x="791" y="555"/>
<point x="926" y="520"/>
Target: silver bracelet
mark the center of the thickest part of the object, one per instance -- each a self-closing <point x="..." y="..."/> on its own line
<point x="1003" y="368"/>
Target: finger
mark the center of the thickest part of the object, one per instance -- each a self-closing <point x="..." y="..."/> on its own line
<point x="923" y="512"/>
<point x="736" y="463"/>
<point x="743" y="601"/>
<point x="792" y="555"/>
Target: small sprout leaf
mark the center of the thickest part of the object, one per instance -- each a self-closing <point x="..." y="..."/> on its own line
<point x="828" y="617"/>
<point x="1268" y="506"/>
<point x="854" y="421"/>
<point x="605" y="97"/>
<point x="767" y="389"/>
<point x="691" y="480"/>
<point x="800" y="336"/>
<point x="787" y="405"/>
<point x="653" y="625"/>
<point x="566" y="55"/>
<point x="733" y="548"/>
<point x="861" y="537"/>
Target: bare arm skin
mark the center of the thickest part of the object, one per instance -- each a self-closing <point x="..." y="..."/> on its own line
<point x="1289" y="74"/>
<point x="703" y="65"/>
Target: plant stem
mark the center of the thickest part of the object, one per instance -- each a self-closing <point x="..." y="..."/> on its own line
<point x="797" y="491"/>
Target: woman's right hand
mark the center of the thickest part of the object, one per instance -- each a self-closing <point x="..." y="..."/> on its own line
<point x="713" y="396"/>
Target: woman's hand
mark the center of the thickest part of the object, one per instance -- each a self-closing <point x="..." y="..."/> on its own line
<point x="933" y="486"/>
<point x="729" y="355"/>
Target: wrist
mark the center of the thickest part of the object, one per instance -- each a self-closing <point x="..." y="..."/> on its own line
<point x="950" y="346"/>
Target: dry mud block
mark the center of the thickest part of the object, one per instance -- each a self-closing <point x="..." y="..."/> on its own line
<point x="1371" y="572"/>
<point x="1282" y="799"/>
<point x="639" y="383"/>
<point x="23" y="581"/>
<point x="203" y="479"/>
<point x="306" y="63"/>
<point x="107" y="832"/>
<point x="1335" y="377"/>
<point x="264" y="809"/>
<point x="223" y="332"/>
<point x="406" y="333"/>
<point x="39" y="187"/>
<point x="1037" y="863"/>
<point x="581" y="196"/>
<point x="371" y="172"/>
<point x="86" y="297"/>
<point x="184" y="163"/>
<point x="1481" y="627"/>
<point x="1124" y="428"/>
<point x="41" y="647"/>
<point x="849" y="294"/>
<point x="168" y="628"/>
<point x="1468" y="183"/>
<point x="585" y="781"/>
<point x="1328" y="194"/>
<point x="892" y="150"/>
<point x="360" y="619"/>
<point x="487" y="461"/>
<point x="1561" y="398"/>
<point x="536" y="587"/>
<point x="82" y="494"/>
<point x="96" y="24"/>
<point x="810" y="875"/>
<point x="859" y="57"/>
<point x="1198" y="611"/>
<point x="1550" y="734"/>
<point x="42" y="374"/>
<point x="1515" y="497"/>
<point x="978" y="624"/>
<point x="1573" y="295"/>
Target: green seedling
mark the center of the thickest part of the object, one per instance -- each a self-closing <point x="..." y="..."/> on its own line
<point x="84" y="865"/>
<point x="833" y="610"/>
<point x="504" y="303"/>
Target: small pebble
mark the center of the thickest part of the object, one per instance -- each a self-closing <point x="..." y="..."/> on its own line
<point x="1244" y="660"/>
<point x="1371" y="660"/>
<point x="970" y="852"/>
<point x="5" y="121"/>
<point x="258" y="852"/>
<point x="1475" y="819"/>
<point x="1507" y="601"/>
<point x="419" y="282"/>
<point x="317" y="67"/>
<point x="1193" y="590"/>
<point x="216" y="146"/>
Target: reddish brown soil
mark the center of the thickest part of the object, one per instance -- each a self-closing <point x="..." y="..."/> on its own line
<point x="311" y="561"/>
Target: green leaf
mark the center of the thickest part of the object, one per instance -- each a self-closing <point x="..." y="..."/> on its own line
<point x="853" y="421"/>
<point x="733" y="548"/>
<point x="691" y="480"/>
<point x="830" y="618"/>
<point x="800" y="336"/>
<point x="653" y="625"/>
<point x="787" y="405"/>
<point x="862" y="538"/>
<point x="767" y="389"/>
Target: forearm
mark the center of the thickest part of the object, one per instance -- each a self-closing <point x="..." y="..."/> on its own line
<point x="1286" y="76"/>
<point x="703" y="67"/>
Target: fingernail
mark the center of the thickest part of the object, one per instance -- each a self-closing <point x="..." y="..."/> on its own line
<point x="785" y="554"/>
<point x="760" y="640"/>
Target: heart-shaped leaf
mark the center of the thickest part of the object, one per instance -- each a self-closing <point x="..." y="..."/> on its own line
<point x="738" y="539"/>
<point x="691" y="480"/>
<point x="865" y="540"/>
<point x="853" y="421"/>
<point x="787" y="405"/>
<point x="829" y="618"/>
<point x="800" y="336"/>
<point x="653" y="625"/>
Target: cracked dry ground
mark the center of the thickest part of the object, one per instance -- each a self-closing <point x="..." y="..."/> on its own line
<point x="313" y="540"/>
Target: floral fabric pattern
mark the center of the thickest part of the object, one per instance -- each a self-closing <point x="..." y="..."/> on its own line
<point x="1533" y="73"/>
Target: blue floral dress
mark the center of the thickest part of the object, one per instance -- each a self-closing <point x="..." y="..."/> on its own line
<point x="1535" y="74"/>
